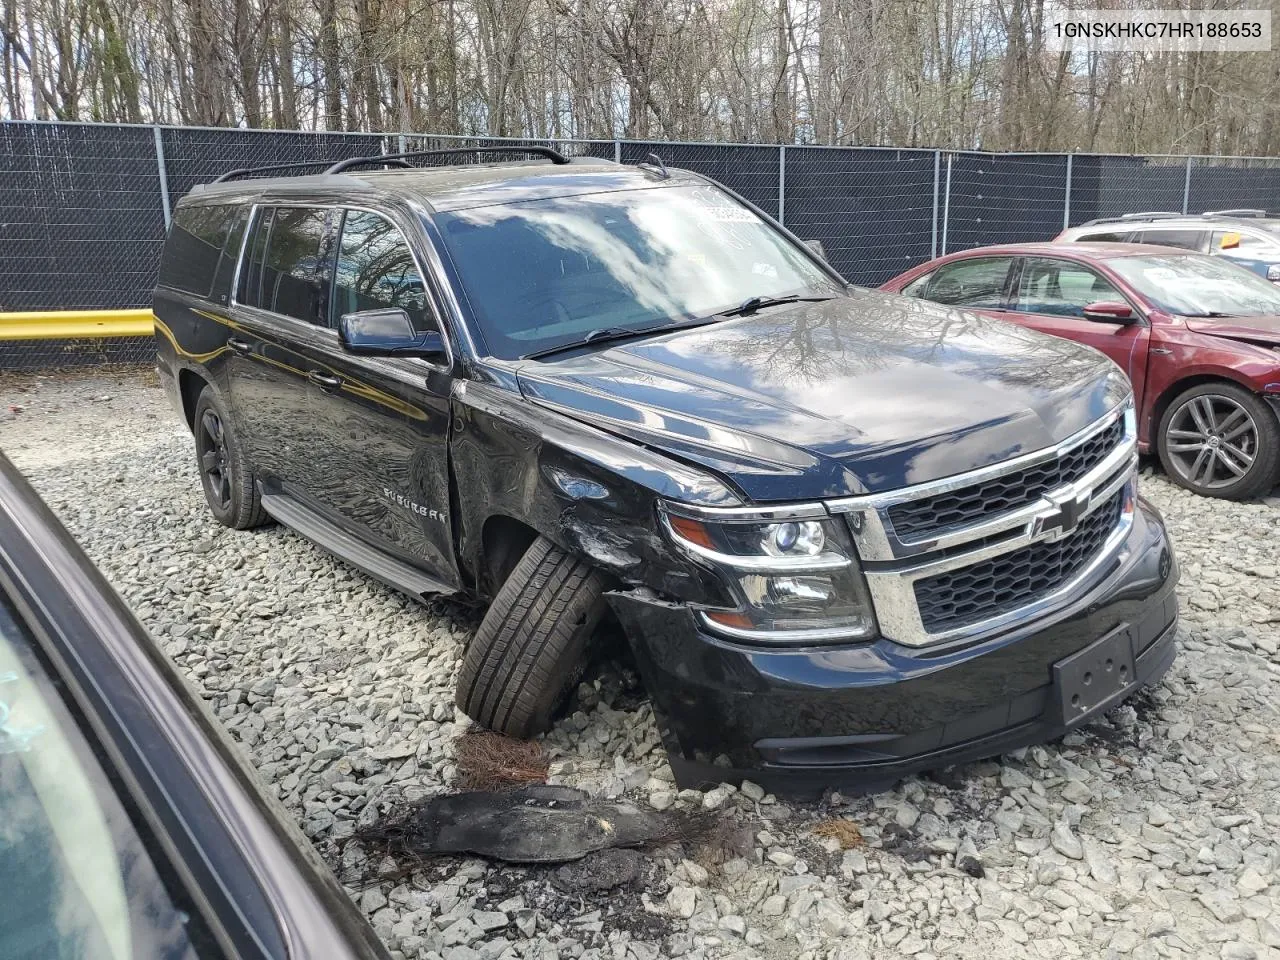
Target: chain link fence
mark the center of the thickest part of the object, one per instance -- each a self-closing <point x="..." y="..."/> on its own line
<point x="85" y="208"/>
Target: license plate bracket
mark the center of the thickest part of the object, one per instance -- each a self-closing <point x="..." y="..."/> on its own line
<point x="1091" y="679"/>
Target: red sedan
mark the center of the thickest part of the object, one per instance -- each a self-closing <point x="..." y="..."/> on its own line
<point x="1198" y="337"/>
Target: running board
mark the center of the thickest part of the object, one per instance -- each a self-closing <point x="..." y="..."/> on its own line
<point x="394" y="573"/>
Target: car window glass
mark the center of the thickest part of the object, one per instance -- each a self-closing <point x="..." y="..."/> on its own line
<point x="1061" y="288"/>
<point x="1112" y="237"/>
<point x="194" y="246"/>
<point x="1186" y="239"/>
<point x="375" y="271"/>
<point x="1199" y="286"/>
<point x="291" y="270"/>
<point x="250" y="290"/>
<point x="80" y="879"/>
<point x="230" y="256"/>
<point x="542" y="274"/>
<point x="1246" y="246"/>
<point x="917" y="286"/>
<point x="970" y="283"/>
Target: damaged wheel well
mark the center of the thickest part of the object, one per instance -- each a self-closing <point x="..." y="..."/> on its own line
<point x="504" y="541"/>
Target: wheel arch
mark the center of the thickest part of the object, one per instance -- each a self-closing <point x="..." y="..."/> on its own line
<point x="1167" y="396"/>
<point x="190" y="385"/>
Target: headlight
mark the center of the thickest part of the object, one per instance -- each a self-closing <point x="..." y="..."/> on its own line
<point x="1273" y="272"/>
<point x="795" y="580"/>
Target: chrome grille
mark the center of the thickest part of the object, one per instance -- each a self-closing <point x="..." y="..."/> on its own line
<point x="1004" y="493"/>
<point x="963" y="557"/>
<point x="1012" y="580"/>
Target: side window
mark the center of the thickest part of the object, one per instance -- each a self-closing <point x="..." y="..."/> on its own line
<point x="970" y="283"/>
<point x="1186" y="239"/>
<point x="1122" y="236"/>
<point x="249" y="292"/>
<point x="1246" y="246"/>
<point x="916" y="287"/>
<point x="230" y="256"/>
<point x="1060" y="288"/>
<point x="291" y="269"/>
<point x="375" y="270"/>
<point x="194" y="247"/>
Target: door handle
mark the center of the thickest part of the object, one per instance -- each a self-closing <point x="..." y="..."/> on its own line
<point x="324" y="380"/>
<point x="240" y="346"/>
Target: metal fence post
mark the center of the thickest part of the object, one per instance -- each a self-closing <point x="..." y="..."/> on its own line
<point x="1066" y="197"/>
<point x="1186" y="187"/>
<point x="937" y="170"/>
<point x="946" y="207"/>
<point x="617" y="151"/>
<point x="164" y="175"/>
<point x="782" y="184"/>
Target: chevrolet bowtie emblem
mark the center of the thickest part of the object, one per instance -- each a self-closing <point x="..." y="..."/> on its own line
<point x="1061" y="519"/>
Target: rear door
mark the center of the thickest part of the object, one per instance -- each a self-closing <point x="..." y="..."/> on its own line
<point x="381" y="467"/>
<point x="279" y="310"/>
<point x="1050" y="295"/>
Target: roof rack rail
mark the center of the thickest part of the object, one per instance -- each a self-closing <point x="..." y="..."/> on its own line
<point x="1243" y="212"/>
<point x="245" y="171"/>
<point x="550" y="153"/>
<point x="1152" y="215"/>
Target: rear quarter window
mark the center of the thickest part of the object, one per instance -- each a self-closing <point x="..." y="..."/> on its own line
<point x="195" y="247"/>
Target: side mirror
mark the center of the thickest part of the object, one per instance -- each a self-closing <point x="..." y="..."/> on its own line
<point x="815" y="247"/>
<point x="1110" y="311"/>
<point x="386" y="333"/>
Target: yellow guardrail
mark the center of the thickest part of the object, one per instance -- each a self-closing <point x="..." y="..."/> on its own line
<point x="76" y="324"/>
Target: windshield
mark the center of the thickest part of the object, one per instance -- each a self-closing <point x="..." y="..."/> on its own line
<point x="79" y="879"/>
<point x="1198" y="286"/>
<point x="544" y="273"/>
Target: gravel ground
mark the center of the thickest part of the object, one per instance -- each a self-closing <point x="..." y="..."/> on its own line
<point x="1150" y="834"/>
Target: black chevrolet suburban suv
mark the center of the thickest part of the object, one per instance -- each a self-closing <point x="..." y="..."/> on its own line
<point x="847" y="535"/>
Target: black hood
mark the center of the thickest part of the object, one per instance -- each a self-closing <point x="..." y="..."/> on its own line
<point x="864" y="393"/>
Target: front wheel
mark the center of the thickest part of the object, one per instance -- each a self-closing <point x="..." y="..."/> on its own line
<point x="1220" y="440"/>
<point x="532" y="645"/>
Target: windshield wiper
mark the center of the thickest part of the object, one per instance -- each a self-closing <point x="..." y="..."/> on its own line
<point x="609" y="334"/>
<point x="750" y="305"/>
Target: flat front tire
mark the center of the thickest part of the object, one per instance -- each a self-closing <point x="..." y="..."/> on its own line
<point x="531" y="647"/>
<point x="1220" y="440"/>
<point x="230" y="488"/>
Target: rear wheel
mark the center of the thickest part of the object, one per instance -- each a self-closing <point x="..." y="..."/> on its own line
<point x="531" y="647"/>
<point x="230" y="487"/>
<point x="1220" y="440"/>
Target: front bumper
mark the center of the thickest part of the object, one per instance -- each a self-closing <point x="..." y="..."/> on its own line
<point x="861" y="716"/>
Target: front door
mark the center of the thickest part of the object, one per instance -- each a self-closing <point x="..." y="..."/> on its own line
<point x="1050" y="295"/>
<point x="382" y="471"/>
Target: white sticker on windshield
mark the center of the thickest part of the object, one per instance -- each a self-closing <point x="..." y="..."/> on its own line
<point x="765" y="270"/>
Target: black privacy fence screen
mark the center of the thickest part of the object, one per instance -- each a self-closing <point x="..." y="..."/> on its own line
<point x="84" y="207"/>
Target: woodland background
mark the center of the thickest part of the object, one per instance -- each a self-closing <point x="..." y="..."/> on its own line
<point x="960" y="74"/>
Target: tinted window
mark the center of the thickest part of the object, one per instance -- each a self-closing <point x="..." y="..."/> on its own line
<point x="543" y="274"/>
<point x="375" y="270"/>
<point x="286" y="274"/>
<point x="1060" y="288"/>
<point x="1186" y="239"/>
<point x="81" y="875"/>
<point x="1113" y="237"/>
<point x="970" y="283"/>
<point x="194" y="247"/>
